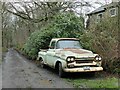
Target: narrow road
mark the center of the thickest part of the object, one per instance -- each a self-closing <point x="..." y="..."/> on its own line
<point x="18" y="72"/>
<point x="0" y="76"/>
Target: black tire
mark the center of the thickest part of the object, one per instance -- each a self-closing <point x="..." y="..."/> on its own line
<point x="40" y="63"/>
<point x="61" y="72"/>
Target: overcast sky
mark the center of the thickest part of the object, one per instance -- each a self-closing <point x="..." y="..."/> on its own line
<point x="54" y="0"/>
<point x="84" y="9"/>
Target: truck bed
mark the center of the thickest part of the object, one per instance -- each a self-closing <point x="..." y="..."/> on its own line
<point x="43" y="50"/>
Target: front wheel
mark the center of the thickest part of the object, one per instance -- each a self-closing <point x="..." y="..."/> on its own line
<point x="61" y="72"/>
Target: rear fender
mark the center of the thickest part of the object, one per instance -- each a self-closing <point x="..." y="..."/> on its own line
<point x="40" y="57"/>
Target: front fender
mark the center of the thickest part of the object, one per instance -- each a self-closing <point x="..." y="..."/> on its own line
<point x="64" y="63"/>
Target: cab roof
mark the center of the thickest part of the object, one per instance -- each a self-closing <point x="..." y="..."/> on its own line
<point x="56" y="39"/>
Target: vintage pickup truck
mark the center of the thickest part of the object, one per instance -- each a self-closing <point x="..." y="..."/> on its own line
<point x="67" y="55"/>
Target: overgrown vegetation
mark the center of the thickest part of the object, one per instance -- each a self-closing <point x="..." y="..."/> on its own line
<point x="62" y="25"/>
<point x="103" y="39"/>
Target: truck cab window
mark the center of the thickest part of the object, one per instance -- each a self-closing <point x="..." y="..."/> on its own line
<point x="68" y="44"/>
<point x="52" y="46"/>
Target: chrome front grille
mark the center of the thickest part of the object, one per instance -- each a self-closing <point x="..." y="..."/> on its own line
<point x="84" y="60"/>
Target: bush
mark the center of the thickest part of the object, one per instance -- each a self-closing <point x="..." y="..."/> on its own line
<point x="62" y="25"/>
<point x="103" y="39"/>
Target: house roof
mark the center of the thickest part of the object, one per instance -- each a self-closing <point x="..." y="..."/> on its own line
<point x="103" y="8"/>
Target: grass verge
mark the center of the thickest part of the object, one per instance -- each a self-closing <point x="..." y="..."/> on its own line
<point x="94" y="82"/>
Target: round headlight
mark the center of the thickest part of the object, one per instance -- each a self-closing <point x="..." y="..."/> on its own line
<point x="97" y="58"/>
<point x="68" y="59"/>
<point x="100" y="58"/>
<point x="72" y="59"/>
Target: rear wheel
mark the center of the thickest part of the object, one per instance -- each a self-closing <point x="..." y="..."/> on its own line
<point x="40" y="63"/>
<point x="61" y="72"/>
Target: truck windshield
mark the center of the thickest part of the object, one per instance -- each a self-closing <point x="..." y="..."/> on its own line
<point x="68" y="44"/>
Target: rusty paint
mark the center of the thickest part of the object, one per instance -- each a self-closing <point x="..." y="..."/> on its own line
<point x="75" y="51"/>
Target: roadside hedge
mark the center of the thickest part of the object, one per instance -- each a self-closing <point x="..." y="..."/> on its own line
<point x="102" y="38"/>
<point x="62" y="25"/>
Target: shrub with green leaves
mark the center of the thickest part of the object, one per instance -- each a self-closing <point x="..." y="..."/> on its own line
<point x="103" y="39"/>
<point x="62" y="25"/>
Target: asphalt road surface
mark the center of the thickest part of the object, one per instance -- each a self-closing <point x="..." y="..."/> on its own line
<point x="19" y="72"/>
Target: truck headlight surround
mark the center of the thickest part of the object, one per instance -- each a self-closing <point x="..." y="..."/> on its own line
<point x="98" y="58"/>
<point x="70" y="59"/>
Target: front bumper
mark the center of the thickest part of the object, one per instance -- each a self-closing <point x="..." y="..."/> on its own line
<point x="81" y="69"/>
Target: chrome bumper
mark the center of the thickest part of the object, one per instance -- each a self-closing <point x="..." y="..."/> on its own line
<point x="81" y="69"/>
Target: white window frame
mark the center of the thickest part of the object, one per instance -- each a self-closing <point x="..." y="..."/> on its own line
<point x="98" y="19"/>
<point x="114" y="13"/>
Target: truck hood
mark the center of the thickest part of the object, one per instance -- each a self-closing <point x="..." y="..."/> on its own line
<point x="77" y="53"/>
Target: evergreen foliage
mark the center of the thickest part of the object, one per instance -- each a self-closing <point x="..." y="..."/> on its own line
<point x="63" y="25"/>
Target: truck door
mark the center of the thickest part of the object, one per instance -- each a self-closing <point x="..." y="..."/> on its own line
<point x="50" y="57"/>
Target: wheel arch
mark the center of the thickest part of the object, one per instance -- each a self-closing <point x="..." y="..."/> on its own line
<point x="56" y="64"/>
<point x="40" y="58"/>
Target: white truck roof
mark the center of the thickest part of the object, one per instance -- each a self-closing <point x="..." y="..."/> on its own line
<point x="56" y="39"/>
